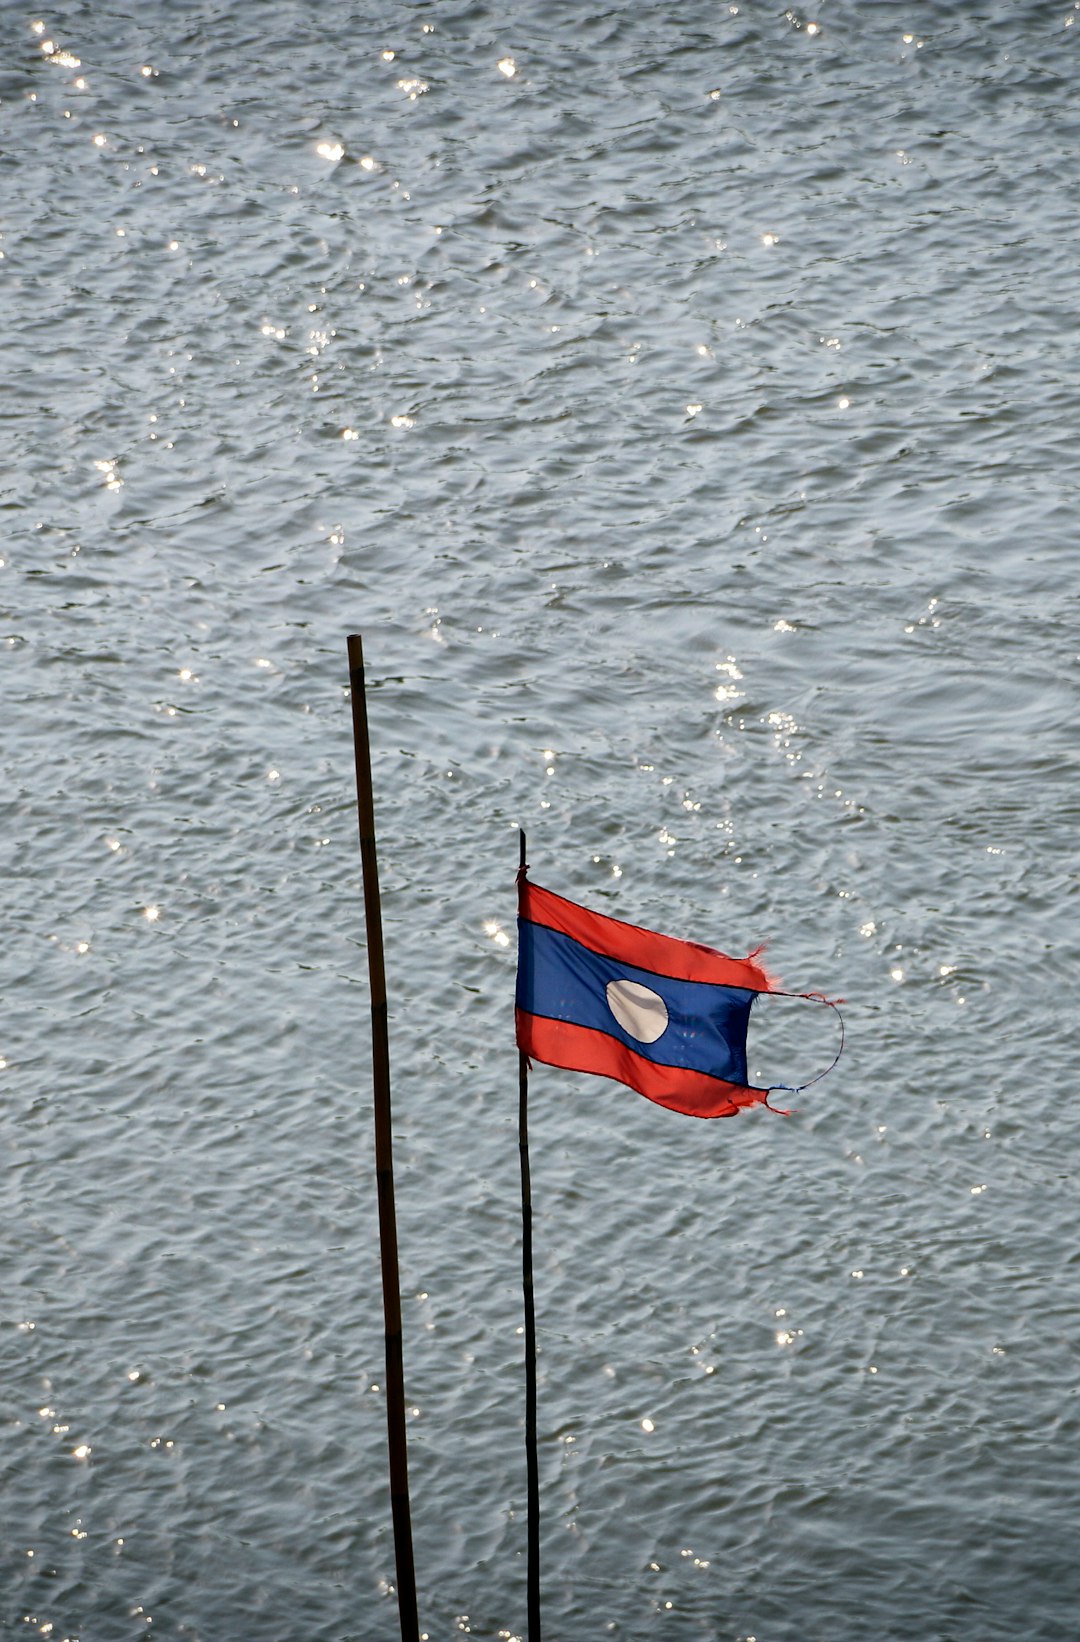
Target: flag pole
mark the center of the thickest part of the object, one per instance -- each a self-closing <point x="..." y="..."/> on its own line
<point x="384" y="1167"/>
<point x="532" y="1470"/>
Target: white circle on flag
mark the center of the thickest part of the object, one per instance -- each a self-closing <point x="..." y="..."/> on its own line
<point x="639" y="1011"/>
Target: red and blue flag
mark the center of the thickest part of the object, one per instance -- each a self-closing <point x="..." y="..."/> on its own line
<point x="666" y="1017"/>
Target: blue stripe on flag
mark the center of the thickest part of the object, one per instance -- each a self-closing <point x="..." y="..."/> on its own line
<point x="565" y="981"/>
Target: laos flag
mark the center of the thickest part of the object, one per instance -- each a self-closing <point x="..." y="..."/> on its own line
<point x="666" y="1017"/>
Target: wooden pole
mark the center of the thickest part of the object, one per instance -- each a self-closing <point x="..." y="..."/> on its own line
<point x="532" y="1470"/>
<point x="384" y="1166"/>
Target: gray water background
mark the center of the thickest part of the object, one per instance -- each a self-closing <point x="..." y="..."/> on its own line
<point x="686" y="413"/>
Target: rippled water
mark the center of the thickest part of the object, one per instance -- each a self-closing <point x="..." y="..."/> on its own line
<point x="682" y="402"/>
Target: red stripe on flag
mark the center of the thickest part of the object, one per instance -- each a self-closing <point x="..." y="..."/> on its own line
<point x="581" y="1049"/>
<point x="643" y="948"/>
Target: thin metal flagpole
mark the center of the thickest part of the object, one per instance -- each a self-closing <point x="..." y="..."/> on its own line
<point x="532" y="1470"/>
<point x="384" y="1167"/>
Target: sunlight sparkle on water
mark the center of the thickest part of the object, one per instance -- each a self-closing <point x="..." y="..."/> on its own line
<point x="507" y="66"/>
<point x="54" y="53"/>
<point x="730" y="670"/>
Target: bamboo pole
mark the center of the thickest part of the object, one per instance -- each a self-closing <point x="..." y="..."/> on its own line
<point x="384" y="1167"/>
<point x="532" y="1470"/>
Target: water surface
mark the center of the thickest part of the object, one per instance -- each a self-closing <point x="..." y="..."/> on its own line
<point x="682" y="403"/>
